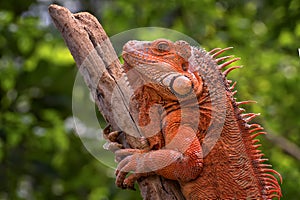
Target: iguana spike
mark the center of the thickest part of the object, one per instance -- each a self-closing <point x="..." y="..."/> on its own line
<point x="249" y="116"/>
<point x="267" y="166"/>
<point x="254" y="126"/>
<point x="272" y="171"/>
<point x="271" y="181"/>
<point x="261" y="160"/>
<point x="220" y="51"/>
<point x="223" y="58"/>
<point x="255" y="141"/>
<point x="229" y="81"/>
<point x="232" y="86"/>
<point x="274" y="195"/>
<point x="269" y="176"/>
<point x="214" y="50"/>
<point x="226" y="72"/>
<point x="256" y="151"/>
<point x="245" y="102"/>
<point x="256" y="145"/>
<point x="273" y="191"/>
<point x="256" y="129"/>
<point x="257" y="134"/>
<point x="258" y="155"/>
<point x="221" y="66"/>
<point x="241" y="110"/>
<point x="234" y="92"/>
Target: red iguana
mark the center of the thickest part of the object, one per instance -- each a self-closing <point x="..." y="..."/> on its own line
<point x="201" y="137"/>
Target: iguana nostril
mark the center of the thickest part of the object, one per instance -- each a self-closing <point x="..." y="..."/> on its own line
<point x="182" y="85"/>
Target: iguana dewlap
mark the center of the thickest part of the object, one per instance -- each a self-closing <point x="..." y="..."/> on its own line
<point x="199" y="135"/>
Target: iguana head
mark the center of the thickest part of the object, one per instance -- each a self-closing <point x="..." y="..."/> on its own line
<point x="165" y="64"/>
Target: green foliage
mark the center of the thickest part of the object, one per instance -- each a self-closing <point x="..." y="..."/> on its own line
<point x="40" y="158"/>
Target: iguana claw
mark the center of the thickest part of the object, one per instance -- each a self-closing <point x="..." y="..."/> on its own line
<point x="112" y="136"/>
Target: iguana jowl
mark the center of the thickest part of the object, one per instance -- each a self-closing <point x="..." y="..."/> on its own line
<point x="203" y="140"/>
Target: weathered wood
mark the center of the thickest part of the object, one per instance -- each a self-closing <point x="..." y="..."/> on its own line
<point x="102" y="72"/>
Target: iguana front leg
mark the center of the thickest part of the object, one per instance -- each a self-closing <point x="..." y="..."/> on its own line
<point x="180" y="160"/>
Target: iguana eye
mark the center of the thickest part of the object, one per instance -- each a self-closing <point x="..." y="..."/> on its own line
<point x="163" y="46"/>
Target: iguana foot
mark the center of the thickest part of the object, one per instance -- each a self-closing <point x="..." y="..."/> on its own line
<point x="112" y="136"/>
<point x="123" y="157"/>
<point x="171" y="164"/>
<point x="129" y="181"/>
<point x="129" y="162"/>
<point x="123" y="153"/>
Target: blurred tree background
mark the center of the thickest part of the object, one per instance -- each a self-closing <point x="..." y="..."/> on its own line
<point x="42" y="158"/>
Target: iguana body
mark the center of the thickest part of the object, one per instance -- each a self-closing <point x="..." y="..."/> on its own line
<point x="203" y="140"/>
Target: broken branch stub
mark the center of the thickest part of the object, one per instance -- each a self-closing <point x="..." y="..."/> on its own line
<point x="103" y="74"/>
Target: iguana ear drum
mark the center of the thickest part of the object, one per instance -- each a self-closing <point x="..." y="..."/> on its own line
<point x="181" y="85"/>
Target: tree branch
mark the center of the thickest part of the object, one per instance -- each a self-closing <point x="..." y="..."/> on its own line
<point x="102" y="72"/>
<point x="283" y="143"/>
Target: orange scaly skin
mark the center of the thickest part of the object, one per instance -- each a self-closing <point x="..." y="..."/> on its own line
<point x="204" y="141"/>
